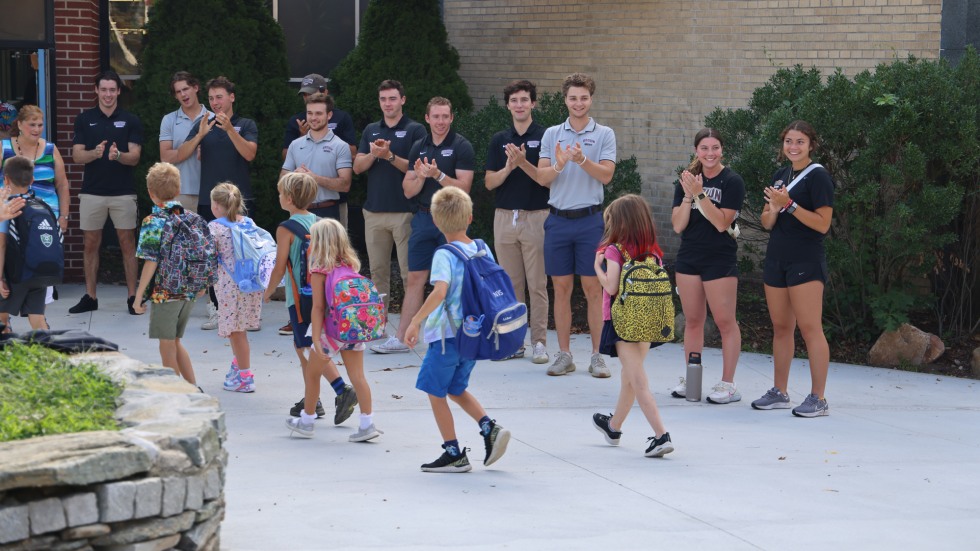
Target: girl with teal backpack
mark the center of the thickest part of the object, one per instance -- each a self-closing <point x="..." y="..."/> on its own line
<point x="628" y="239"/>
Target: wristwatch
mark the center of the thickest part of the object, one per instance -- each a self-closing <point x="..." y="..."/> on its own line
<point x="701" y="196"/>
<point x="791" y="209"/>
<point x="391" y="158"/>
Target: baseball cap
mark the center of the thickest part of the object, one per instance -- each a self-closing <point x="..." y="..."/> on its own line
<point x="311" y="83"/>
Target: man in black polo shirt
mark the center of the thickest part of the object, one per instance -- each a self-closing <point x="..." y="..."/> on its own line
<point x="522" y="208"/>
<point x="108" y="141"/>
<point x="439" y="160"/>
<point x="228" y="144"/>
<point x="383" y="154"/>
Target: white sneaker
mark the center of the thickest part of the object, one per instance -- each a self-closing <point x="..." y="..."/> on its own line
<point x="363" y="435"/>
<point x="723" y="393"/>
<point x="296" y="425"/>
<point x="539" y="354"/>
<point x="390" y="346"/>
<point x="597" y="367"/>
<point x="212" y="322"/>
<point x="679" y="391"/>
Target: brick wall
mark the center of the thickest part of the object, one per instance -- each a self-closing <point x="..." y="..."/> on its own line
<point x="661" y="66"/>
<point x="77" y="63"/>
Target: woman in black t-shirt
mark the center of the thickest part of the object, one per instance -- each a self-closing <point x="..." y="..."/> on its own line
<point x="706" y="203"/>
<point x="798" y="211"/>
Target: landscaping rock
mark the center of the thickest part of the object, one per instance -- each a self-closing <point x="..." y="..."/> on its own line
<point x="70" y="459"/>
<point x="117" y="501"/>
<point x="144" y="530"/>
<point x="197" y="537"/>
<point x="81" y="509"/>
<point x="47" y="515"/>
<point x="15" y="523"/>
<point x="907" y="344"/>
<point x="174" y="495"/>
<point x="86" y="532"/>
<point x="161" y="544"/>
<point x="149" y="497"/>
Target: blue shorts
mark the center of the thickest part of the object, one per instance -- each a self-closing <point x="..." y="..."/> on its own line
<point x="423" y="242"/>
<point x="570" y="245"/>
<point x="300" y="340"/>
<point x="444" y="373"/>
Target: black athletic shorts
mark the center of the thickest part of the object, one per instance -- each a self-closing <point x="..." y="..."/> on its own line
<point x="780" y="274"/>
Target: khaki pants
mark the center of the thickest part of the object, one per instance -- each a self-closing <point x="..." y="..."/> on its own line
<point x="381" y="231"/>
<point x="519" y="242"/>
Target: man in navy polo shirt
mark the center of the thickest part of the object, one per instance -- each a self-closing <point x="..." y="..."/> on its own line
<point x="578" y="158"/>
<point x="521" y="208"/>
<point x="108" y="141"/>
<point x="441" y="159"/>
<point x="228" y="144"/>
<point x="383" y="155"/>
<point x="321" y="154"/>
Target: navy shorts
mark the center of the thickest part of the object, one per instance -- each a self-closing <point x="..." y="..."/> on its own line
<point x="776" y="273"/>
<point x="609" y="338"/>
<point x="707" y="272"/>
<point x="423" y="242"/>
<point x="444" y="373"/>
<point x="300" y="340"/>
<point x="570" y="245"/>
<point x="22" y="300"/>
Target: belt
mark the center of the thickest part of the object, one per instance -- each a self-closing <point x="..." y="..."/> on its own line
<point x="572" y="214"/>
<point x="323" y="204"/>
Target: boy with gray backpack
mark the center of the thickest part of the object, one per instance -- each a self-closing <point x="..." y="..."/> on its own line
<point x="180" y="263"/>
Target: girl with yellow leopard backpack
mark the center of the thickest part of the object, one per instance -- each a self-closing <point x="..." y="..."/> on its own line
<point x="637" y="311"/>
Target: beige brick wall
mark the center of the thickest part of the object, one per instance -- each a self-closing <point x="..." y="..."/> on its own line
<point x="661" y="66"/>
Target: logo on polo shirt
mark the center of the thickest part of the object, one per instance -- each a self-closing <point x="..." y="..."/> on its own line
<point x="401" y="133"/>
<point x="238" y="129"/>
<point x="92" y="123"/>
<point x="327" y="148"/>
<point x="588" y="141"/>
<point x="447" y="152"/>
<point x="421" y="153"/>
<point x="533" y="144"/>
<point x="119" y="124"/>
<point x="375" y="133"/>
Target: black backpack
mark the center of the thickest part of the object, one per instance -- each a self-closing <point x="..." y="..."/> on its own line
<point x="303" y="296"/>
<point x="35" y="253"/>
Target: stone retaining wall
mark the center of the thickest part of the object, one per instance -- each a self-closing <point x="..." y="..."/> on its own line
<point x="156" y="484"/>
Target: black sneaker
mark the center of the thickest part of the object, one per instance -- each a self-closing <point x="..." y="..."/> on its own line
<point x="298" y="407"/>
<point x="601" y="423"/>
<point x="659" y="447"/>
<point x="449" y="463"/>
<point x="130" y="302"/>
<point x="86" y="304"/>
<point x="344" y="403"/>
<point x="495" y="443"/>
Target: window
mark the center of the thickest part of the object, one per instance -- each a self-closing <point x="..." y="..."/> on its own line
<point x="319" y="33"/>
<point x="126" y="21"/>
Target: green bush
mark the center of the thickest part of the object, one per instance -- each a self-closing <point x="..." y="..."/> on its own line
<point x="901" y="143"/>
<point x="238" y="39"/>
<point x="480" y="126"/>
<point x="43" y="393"/>
<point x="404" y="40"/>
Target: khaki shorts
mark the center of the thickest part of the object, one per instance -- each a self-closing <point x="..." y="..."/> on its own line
<point x="169" y="319"/>
<point x="94" y="209"/>
<point x="189" y="202"/>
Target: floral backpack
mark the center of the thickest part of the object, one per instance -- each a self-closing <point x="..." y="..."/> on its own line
<point x="355" y="312"/>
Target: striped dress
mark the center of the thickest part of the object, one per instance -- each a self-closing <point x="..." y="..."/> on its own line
<point x="43" y="185"/>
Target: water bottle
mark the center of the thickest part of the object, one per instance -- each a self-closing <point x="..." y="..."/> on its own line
<point x="472" y="326"/>
<point x="693" y="380"/>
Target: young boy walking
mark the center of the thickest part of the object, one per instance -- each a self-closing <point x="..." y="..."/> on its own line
<point x="170" y="311"/>
<point x="21" y="297"/>
<point x="443" y="372"/>
<point x="296" y="191"/>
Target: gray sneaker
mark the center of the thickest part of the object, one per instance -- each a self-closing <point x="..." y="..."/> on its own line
<point x="212" y="322"/>
<point x="597" y="367"/>
<point x="812" y="406"/>
<point x="563" y="364"/>
<point x="540" y="353"/>
<point x="390" y="346"/>
<point x="296" y="424"/>
<point x="772" y="399"/>
<point x="363" y="435"/>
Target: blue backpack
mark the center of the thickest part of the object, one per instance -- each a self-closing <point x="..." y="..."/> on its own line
<point x="494" y="323"/>
<point x="35" y="255"/>
<point x="303" y="296"/>
<point x="254" y="255"/>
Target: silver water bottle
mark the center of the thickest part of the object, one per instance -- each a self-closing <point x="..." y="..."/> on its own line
<point x="693" y="379"/>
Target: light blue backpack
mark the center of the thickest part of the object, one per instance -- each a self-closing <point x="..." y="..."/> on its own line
<point x="254" y="255"/>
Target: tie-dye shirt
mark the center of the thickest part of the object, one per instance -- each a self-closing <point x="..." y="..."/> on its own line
<point x="43" y="185"/>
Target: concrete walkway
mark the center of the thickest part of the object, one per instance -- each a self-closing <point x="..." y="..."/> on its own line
<point x="895" y="465"/>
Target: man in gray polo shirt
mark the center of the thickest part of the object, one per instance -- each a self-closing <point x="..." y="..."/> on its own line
<point x="173" y="132"/>
<point x="323" y="155"/>
<point x="578" y="158"/>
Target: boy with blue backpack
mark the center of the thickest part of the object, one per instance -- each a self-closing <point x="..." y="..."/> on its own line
<point x="445" y="371"/>
<point x="31" y="251"/>
<point x="296" y="192"/>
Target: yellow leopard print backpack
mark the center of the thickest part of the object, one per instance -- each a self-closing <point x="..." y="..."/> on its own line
<point x="643" y="310"/>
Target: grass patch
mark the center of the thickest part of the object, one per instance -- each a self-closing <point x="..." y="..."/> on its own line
<point x="43" y="393"/>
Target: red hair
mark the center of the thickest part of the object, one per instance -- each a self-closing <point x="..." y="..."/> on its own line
<point x="628" y="223"/>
